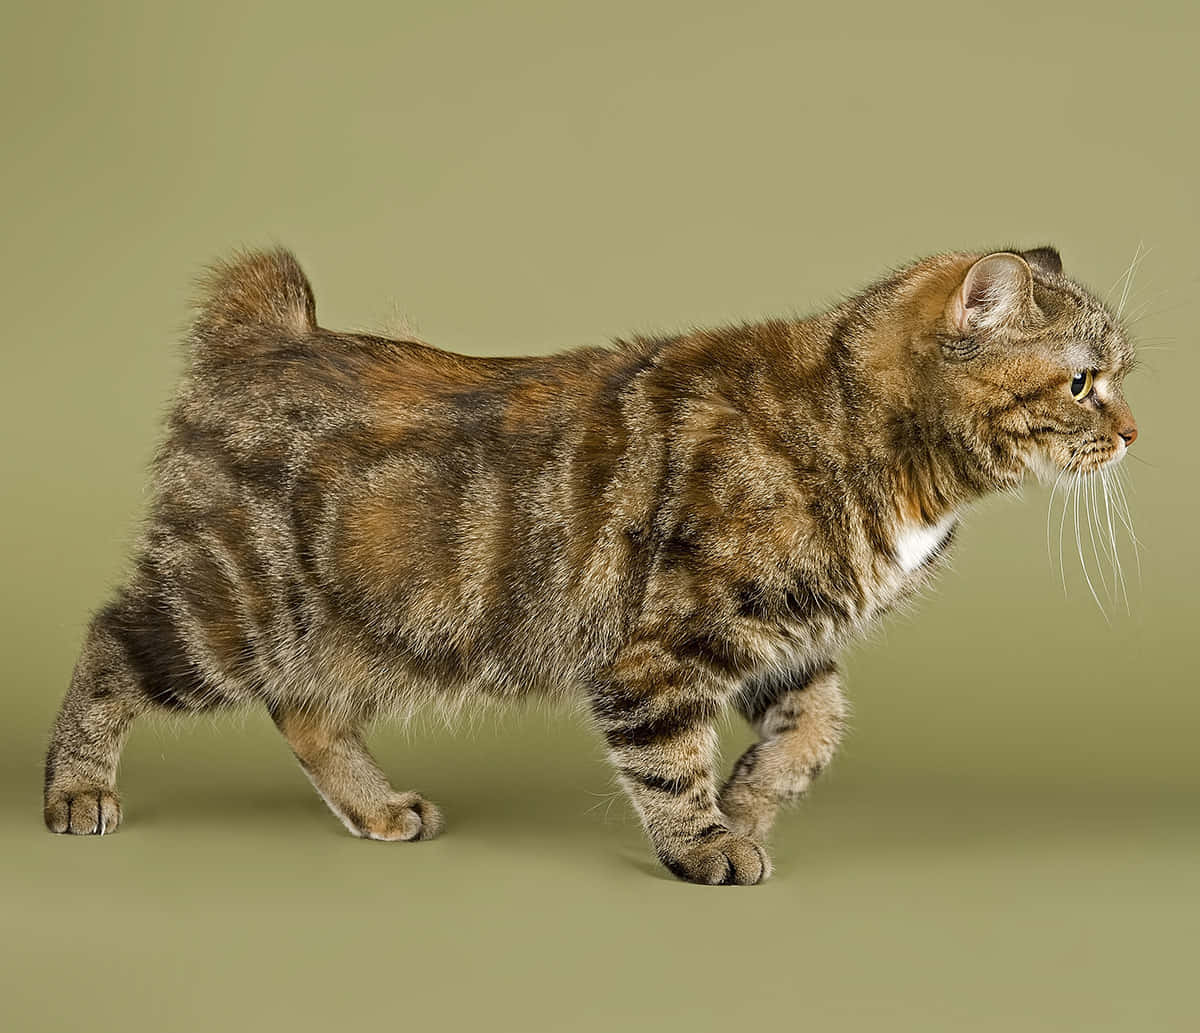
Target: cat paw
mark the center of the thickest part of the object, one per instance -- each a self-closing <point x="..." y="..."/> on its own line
<point x="746" y="813"/>
<point x="83" y="811"/>
<point x="726" y="859"/>
<point x="408" y="817"/>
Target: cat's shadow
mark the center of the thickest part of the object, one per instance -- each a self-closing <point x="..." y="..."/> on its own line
<point x="179" y="805"/>
<point x="492" y="815"/>
<point x="518" y="805"/>
<point x="523" y="808"/>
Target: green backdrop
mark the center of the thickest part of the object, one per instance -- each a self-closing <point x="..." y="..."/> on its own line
<point x="1009" y="839"/>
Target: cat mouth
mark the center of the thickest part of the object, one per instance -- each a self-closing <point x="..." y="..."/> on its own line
<point x="1050" y="465"/>
<point x="1098" y="457"/>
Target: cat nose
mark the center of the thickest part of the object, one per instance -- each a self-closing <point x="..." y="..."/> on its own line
<point x="1129" y="434"/>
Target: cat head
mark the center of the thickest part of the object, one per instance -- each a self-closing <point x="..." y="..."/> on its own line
<point x="1037" y="361"/>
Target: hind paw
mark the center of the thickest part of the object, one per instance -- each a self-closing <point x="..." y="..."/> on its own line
<point x="408" y="817"/>
<point x="83" y="811"/>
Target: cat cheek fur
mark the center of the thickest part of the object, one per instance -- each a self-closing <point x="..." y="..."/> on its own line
<point x="346" y="527"/>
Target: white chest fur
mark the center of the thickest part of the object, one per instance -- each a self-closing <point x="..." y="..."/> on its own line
<point x="915" y="543"/>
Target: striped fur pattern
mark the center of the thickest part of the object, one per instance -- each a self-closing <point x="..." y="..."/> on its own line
<point x="347" y="527"/>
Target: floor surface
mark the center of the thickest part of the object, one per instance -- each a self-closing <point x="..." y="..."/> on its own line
<point x="231" y="899"/>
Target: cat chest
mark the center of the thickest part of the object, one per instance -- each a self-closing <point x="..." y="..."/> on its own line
<point x="819" y="620"/>
<point x="916" y="544"/>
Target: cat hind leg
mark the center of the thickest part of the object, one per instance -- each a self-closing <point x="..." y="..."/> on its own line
<point x="104" y="697"/>
<point x="342" y="770"/>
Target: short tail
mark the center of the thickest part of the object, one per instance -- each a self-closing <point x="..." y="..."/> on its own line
<point x="265" y="289"/>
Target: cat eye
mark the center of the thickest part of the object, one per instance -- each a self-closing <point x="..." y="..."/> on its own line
<point x="1081" y="385"/>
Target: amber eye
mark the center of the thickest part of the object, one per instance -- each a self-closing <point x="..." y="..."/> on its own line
<point x="1081" y="385"/>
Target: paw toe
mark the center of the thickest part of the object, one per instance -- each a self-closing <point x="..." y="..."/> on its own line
<point x="88" y="811"/>
<point x="728" y="860"/>
<point x="409" y="817"/>
<point x="431" y="819"/>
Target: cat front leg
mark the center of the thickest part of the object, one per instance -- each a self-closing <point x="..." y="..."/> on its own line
<point x="801" y="721"/>
<point x="657" y="714"/>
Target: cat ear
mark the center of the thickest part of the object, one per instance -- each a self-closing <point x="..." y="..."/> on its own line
<point x="1045" y="259"/>
<point x="995" y="289"/>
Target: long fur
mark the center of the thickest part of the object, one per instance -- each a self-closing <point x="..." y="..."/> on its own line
<point x="347" y="526"/>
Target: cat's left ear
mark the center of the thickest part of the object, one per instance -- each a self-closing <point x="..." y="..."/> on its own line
<point x="1046" y="259"/>
<point x="996" y="289"/>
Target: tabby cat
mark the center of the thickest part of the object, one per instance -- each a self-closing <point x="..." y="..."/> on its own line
<point x="345" y="527"/>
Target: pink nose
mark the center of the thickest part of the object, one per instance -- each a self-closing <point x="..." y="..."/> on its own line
<point x="1129" y="434"/>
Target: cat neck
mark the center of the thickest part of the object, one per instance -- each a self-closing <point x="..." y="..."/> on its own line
<point x="928" y="458"/>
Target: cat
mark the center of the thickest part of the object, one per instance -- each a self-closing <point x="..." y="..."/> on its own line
<point x="345" y="527"/>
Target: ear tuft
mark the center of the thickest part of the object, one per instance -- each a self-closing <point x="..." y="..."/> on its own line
<point x="1045" y="259"/>
<point x="995" y="289"/>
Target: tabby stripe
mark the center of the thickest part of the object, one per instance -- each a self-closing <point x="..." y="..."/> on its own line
<point x="711" y="831"/>
<point x="671" y="724"/>
<point x="759" y="696"/>
<point x="712" y="651"/>
<point x="672" y="786"/>
<point x="155" y="647"/>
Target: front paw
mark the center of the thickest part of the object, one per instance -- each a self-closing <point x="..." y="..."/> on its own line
<point x="723" y="859"/>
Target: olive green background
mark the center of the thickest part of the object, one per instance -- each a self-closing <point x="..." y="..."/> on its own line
<point x="1009" y="839"/>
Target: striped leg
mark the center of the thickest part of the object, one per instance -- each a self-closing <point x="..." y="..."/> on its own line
<point x="134" y="661"/>
<point x="81" y="765"/>
<point x="657" y="714"/>
<point x="800" y="724"/>
<point x="337" y="762"/>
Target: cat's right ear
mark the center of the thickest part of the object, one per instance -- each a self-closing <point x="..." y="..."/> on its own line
<point x="996" y="289"/>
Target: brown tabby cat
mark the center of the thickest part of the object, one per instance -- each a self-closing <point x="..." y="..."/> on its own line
<point x="345" y="527"/>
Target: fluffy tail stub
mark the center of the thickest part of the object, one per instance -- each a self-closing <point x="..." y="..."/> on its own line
<point x="254" y="289"/>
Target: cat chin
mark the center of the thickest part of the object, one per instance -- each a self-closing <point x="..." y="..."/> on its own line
<point x="1043" y="468"/>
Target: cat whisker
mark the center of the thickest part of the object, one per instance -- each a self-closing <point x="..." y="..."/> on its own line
<point x="1109" y="506"/>
<point x="1062" y="523"/>
<point x="1082" y="558"/>
<point x="1050" y="515"/>
<point x="1145" y="306"/>
<point x="1090" y="508"/>
<point x="1129" y="278"/>
<point x="1072" y="480"/>
<point x="1124" y="276"/>
<point x="1113" y="545"/>
<point x="1108" y="539"/>
<point x="1099" y="499"/>
<point x="1158" y="312"/>
<point x="1126" y="518"/>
